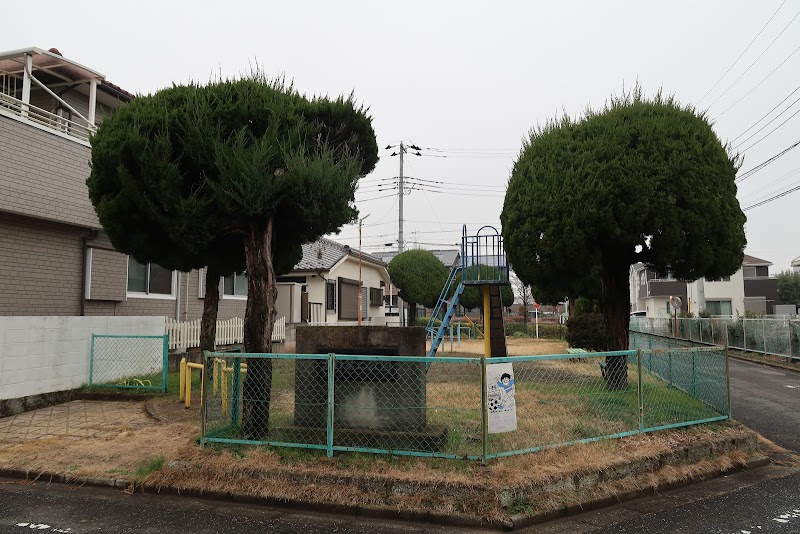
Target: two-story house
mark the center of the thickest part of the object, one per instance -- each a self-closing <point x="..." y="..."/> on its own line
<point x="751" y="288"/>
<point x="55" y="259"/>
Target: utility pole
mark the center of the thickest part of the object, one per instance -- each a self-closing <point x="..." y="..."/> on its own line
<point x="360" y="301"/>
<point x="400" y="210"/>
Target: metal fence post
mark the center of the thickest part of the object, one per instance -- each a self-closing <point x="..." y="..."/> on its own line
<point x="236" y="382"/>
<point x="204" y="401"/>
<point x="165" y="365"/>
<point x="764" y="332"/>
<point x="91" y="361"/>
<point x="484" y="413"/>
<point x="744" y="333"/>
<point x="728" y="380"/>
<point x="331" y="371"/>
<point x="694" y="373"/>
<point x="640" y="390"/>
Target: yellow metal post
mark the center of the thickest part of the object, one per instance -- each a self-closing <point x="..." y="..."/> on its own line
<point x="487" y="321"/>
<point x="182" y="385"/>
<point x="189" y="367"/>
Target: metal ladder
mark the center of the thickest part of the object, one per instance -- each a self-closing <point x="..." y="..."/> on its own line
<point x="446" y="306"/>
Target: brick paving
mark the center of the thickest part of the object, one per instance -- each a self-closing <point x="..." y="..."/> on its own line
<point x="78" y="419"/>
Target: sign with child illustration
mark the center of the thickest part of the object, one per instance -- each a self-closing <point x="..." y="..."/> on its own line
<point x="501" y="398"/>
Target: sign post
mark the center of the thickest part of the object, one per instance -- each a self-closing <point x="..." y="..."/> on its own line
<point x="536" y="317"/>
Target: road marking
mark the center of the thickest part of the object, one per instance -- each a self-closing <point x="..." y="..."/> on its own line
<point x="42" y="526"/>
<point x="793" y="387"/>
<point x="788" y="516"/>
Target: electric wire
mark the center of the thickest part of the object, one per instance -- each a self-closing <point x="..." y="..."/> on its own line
<point x="767" y="114"/>
<point x="772" y="131"/>
<point x="755" y="60"/>
<point x="766" y="162"/>
<point x="773" y="198"/>
<point x="743" y="53"/>
<point x="758" y="84"/>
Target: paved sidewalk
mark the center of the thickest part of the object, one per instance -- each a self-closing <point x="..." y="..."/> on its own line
<point x="78" y="419"/>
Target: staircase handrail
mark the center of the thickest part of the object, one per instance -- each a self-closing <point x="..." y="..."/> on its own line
<point x="430" y="328"/>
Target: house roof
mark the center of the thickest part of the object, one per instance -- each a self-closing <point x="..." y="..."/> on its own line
<point x="449" y="257"/>
<point x="753" y="261"/>
<point x="51" y="65"/>
<point x="323" y="254"/>
<point x="796" y="262"/>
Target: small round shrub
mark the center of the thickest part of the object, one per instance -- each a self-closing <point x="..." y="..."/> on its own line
<point x="588" y="331"/>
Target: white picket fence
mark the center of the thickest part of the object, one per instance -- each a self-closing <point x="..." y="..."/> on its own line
<point x="186" y="334"/>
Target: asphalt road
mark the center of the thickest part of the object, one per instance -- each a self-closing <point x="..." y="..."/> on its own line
<point x="767" y="399"/>
<point x="51" y="508"/>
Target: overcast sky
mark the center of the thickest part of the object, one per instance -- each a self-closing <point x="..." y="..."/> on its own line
<point x="469" y="79"/>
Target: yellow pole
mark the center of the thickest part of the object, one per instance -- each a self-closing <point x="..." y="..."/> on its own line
<point x="487" y="321"/>
<point x="182" y="385"/>
<point x="188" y="394"/>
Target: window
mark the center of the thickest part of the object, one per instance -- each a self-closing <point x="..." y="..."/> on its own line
<point x="235" y="285"/>
<point x="149" y="280"/>
<point x="376" y="296"/>
<point x="330" y="295"/>
<point x="719" y="307"/>
<point x="749" y="272"/>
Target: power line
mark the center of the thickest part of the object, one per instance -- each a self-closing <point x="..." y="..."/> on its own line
<point x="772" y="131"/>
<point x="743" y="52"/>
<point x="758" y="84"/>
<point x="755" y="60"/>
<point x="758" y="195"/>
<point x="767" y="201"/>
<point x="768" y="113"/>
<point x="374" y="198"/>
<point x="763" y="164"/>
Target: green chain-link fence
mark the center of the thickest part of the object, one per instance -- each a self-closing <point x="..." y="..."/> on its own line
<point x="775" y="336"/>
<point x="461" y="408"/>
<point x="132" y="362"/>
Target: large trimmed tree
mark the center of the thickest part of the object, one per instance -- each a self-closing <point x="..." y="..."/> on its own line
<point x="419" y="277"/>
<point x="641" y="180"/>
<point x="273" y="170"/>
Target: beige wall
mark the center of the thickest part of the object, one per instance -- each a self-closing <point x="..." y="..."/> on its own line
<point x="44" y="175"/>
<point x="40" y="267"/>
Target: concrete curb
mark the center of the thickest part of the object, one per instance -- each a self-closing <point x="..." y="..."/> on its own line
<point x="376" y="512"/>
<point x="760" y="361"/>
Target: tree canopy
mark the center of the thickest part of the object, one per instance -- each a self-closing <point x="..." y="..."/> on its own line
<point x="420" y="277"/>
<point x="789" y="288"/>
<point x="641" y="180"/>
<point x="253" y="162"/>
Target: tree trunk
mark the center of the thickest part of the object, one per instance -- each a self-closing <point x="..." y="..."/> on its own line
<point x="412" y="313"/>
<point x="617" y="310"/>
<point x="259" y="319"/>
<point x="208" y="324"/>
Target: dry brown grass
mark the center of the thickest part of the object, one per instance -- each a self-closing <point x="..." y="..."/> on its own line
<point x="443" y="486"/>
<point x="516" y="347"/>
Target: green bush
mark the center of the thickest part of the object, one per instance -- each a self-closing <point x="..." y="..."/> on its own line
<point x="423" y="321"/>
<point x="588" y="331"/>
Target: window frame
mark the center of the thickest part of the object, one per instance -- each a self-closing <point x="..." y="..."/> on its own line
<point x="147" y="295"/>
<point x="234" y="296"/>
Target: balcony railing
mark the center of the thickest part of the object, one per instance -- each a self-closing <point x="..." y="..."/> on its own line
<point x="51" y="121"/>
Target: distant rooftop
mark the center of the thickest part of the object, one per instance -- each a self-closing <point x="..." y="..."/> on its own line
<point x="323" y="254"/>
<point x="753" y="261"/>
<point x="449" y="257"/>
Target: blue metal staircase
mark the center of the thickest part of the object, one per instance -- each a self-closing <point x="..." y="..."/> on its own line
<point x="444" y="311"/>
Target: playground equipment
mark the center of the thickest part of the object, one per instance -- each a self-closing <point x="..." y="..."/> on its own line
<point x="484" y="265"/>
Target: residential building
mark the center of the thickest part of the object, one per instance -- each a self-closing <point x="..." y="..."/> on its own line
<point x="54" y="257"/>
<point x="796" y="264"/>
<point x="323" y="286"/>
<point x="651" y="293"/>
<point x="750" y="289"/>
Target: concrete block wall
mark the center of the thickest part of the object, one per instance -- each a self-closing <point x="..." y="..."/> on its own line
<point x="47" y="354"/>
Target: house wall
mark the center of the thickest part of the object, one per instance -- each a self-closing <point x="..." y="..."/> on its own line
<point x="43" y="175"/>
<point x="371" y="276"/>
<point x="731" y="290"/>
<point x="40" y="267"/>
